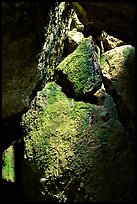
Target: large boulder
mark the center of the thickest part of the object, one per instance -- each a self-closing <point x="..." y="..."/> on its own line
<point x="81" y="149"/>
<point x="30" y="43"/>
<point x="118" y="68"/>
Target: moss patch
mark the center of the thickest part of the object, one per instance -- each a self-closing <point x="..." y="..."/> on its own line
<point x="78" y="70"/>
<point x="74" y="155"/>
<point x="8" y="165"/>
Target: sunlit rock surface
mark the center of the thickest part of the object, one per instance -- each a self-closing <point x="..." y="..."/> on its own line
<point x="118" y="65"/>
<point x="81" y="69"/>
<point x="81" y="149"/>
<point x="74" y="38"/>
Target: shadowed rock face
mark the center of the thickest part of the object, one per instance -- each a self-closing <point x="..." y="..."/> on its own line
<point x="25" y="28"/>
<point x="22" y="39"/>
<point x="116" y="18"/>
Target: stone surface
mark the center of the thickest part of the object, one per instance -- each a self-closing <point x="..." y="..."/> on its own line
<point x="24" y="54"/>
<point x="21" y="42"/>
<point x="32" y="45"/>
<point x="109" y="42"/>
<point x="80" y="162"/>
<point x="74" y="38"/>
<point x="118" y="65"/>
<point x="82" y="69"/>
<point x="85" y="149"/>
<point x="117" y="19"/>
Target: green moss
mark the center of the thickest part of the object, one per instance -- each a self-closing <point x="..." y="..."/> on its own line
<point x="75" y="158"/>
<point x="55" y="141"/>
<point x="76" y="67"/>
<point x="128" y="49"/>
<point x="8" y="167"/>
<point x="102" y="60"/>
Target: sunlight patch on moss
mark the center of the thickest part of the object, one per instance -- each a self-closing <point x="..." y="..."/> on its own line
<point x="76" y="66"/>
<point x="9" y="165"/>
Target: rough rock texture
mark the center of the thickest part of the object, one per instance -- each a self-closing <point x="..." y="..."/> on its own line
<point x="74" y="38"/>
<point x="75" y="23"/>
<point x="109" y="42"/>
<point x="116" y="18"/>
<point x="29" y="49"/>
<point x="21" y="47"/>
<point x="22" y="27"/>
<point x="95" y="142"/>
<point x="81" y="69"/>
<point x="118" y="65"/>
<point x="81" y="150"/>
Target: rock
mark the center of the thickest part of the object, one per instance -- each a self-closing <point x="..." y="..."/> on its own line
<point x="109" y="42"/>
<point x="118" y="67"/>
<point x="67" y="149"/>
<point x="32" y="45"/>
<point x="117" y="19"/>
<point x="21" y="43"/>
<point x="28" y="32"/>
<point x="76" y="23"/>
<point x="81" y="69"/>
<point x="74" y="39"/>
<point x="105" y="116"/>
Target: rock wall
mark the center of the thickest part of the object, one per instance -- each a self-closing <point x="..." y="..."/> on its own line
<point x="22" y="39"/>
<point x="117" y="19"/>
<point x="32" y="43"/>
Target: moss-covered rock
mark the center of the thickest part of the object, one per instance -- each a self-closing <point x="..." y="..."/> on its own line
<point x="80" y="148"/>
<point x="82" y="69"/>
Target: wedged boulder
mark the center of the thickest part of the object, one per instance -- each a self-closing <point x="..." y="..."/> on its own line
<point x="82" y="73"/>
<point x="81" y="149"/>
